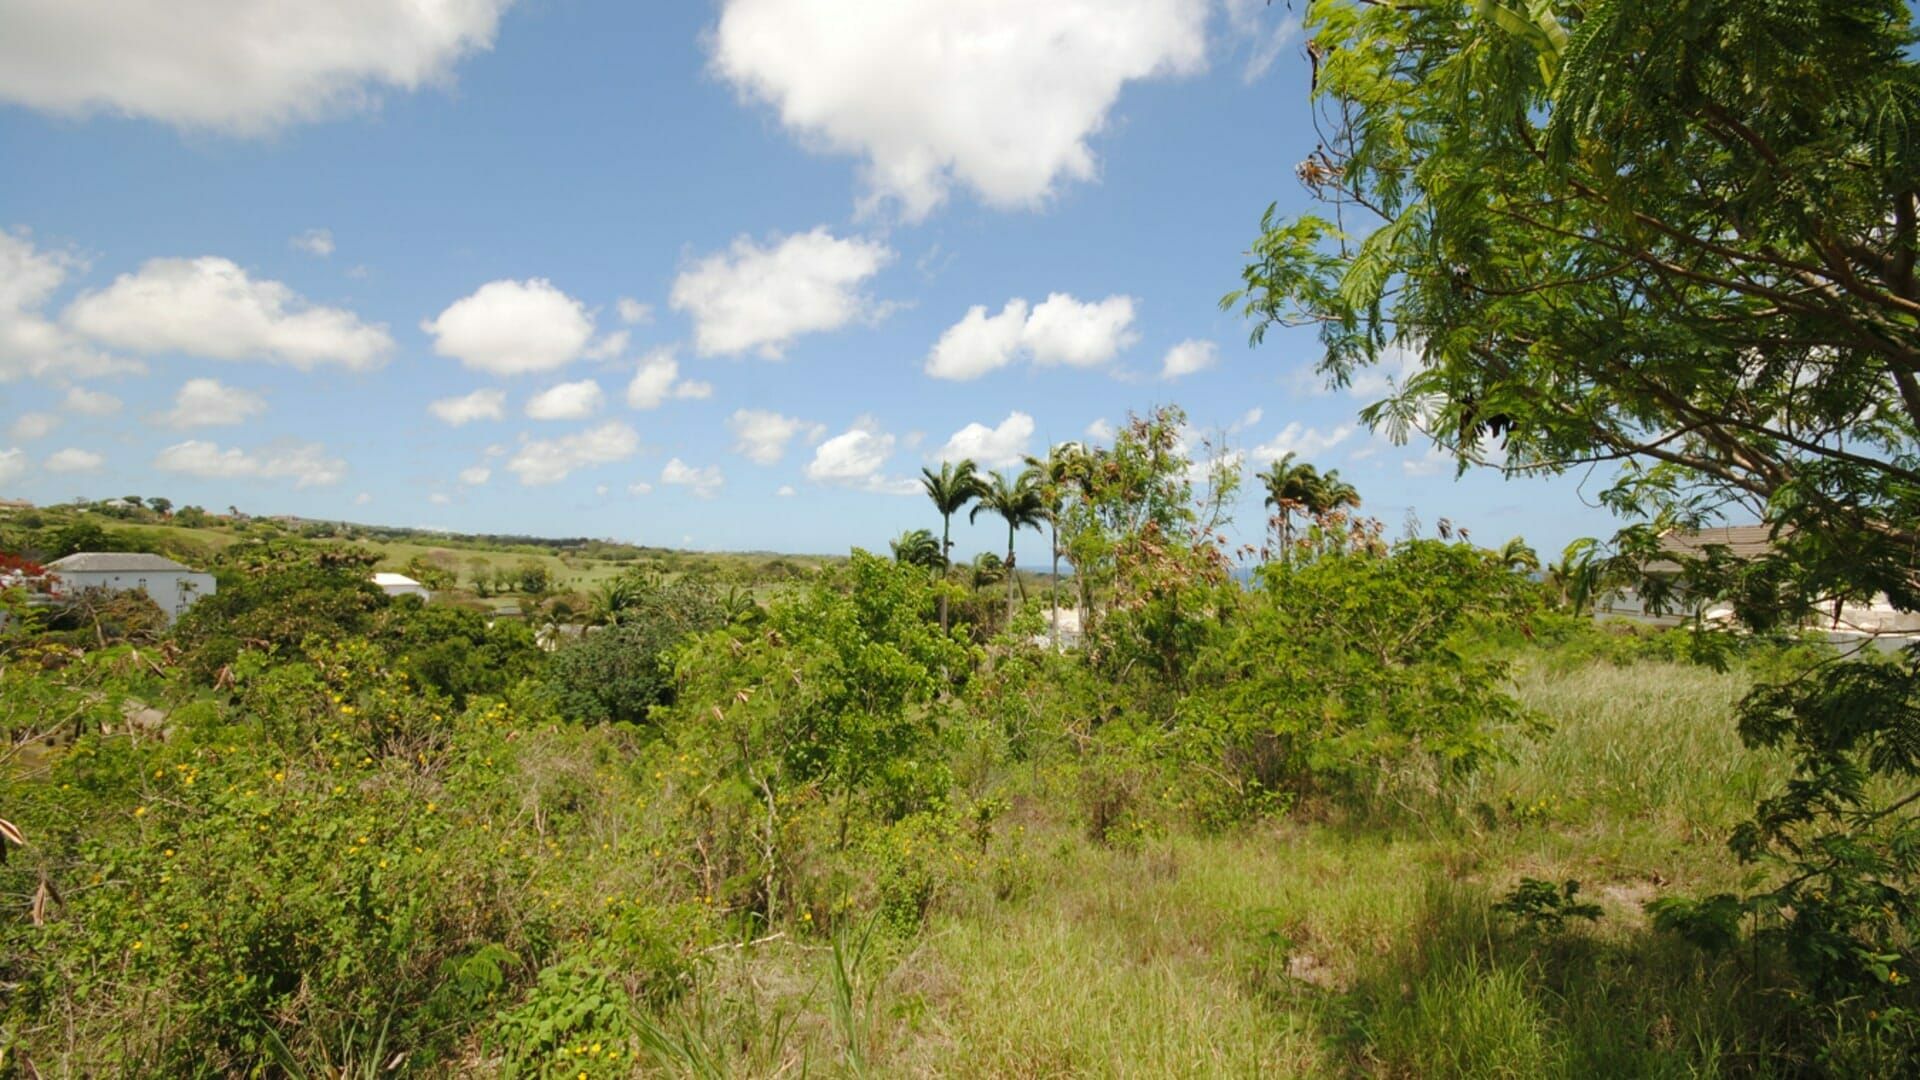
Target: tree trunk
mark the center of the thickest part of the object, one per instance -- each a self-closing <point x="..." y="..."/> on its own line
<point x="946" y="565"/>
<point x="1053" y="591"/>
<point x="1010" y="581"/>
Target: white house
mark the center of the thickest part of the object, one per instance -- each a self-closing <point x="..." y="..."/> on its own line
<point x="172" y="586"/>
<point x="401" y="585"/>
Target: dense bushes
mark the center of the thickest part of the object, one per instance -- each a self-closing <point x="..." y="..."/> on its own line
<point x="623" y="669"/>
<point x="1349" y="668"/>
<point x="325" y="828"/>
<point x="811" y="736"/>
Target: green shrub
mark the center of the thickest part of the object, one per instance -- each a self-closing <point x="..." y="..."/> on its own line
<point x="1351" y="667"/>
<point x="621" y="671"/>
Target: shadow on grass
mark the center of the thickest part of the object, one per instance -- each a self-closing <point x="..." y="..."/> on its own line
<point x="1466" y="991"/>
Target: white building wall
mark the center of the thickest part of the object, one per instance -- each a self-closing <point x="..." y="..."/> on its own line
<point x="173" y="590"/>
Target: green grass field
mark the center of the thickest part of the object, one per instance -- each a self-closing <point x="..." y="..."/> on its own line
<point x="568" y="572"/>
<point x="1311" y="946"/>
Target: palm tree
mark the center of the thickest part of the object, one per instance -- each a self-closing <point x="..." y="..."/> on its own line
<point x="1516" y="556"/>
<point x="1018" y="502"/>
<point x="612" y="598"/>
<point x="917" y="547"/>
<point x="1333" y="494"/>
<point x="1052" y="475"/>
<point x="1290" y="488"/>
<point x="1576" y="576"/>
<point x="951" y="489"/>
<point x="985" y="569"/>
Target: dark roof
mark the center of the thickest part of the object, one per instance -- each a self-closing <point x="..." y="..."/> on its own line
<point x="114" y="562"/>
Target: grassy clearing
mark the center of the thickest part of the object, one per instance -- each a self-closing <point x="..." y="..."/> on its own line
<point x="1319" y="948"/>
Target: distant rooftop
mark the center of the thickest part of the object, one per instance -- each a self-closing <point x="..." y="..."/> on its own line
<point x="1741" y="541"/>
<point x="384" y="578"/>
<point x="114" y="562"/>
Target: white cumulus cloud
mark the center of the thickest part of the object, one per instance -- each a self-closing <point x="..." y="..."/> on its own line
<point x="1434" y="461"/>
<point x="705" y="482"/>
<point x="241" y="67"/>
<point x="979" y="342"/>
<point x="476" y="475"/>
<point x="314" y="242"/>
<point x="549" y="461"/>
<point x="1189" y="357"/>
<point x="566" y="401"/>
<point x="760" y="298"/>
<point x="658" y="378"/>
<point x="761" y="436"/>
<point x="856" y="458"/>
<point x="1000" y="96"/>
<point x="31" y="344"/>
<point x="1265" y="30"/>
<point x="1004" y="444"/>
<point x="467" y="408"/>
<point x="13" y="464"/>
<point x="1297" y="438"/>
<point x="87" y="402"/>
<point x="633" y="312"/>
<point x="512" y="328"/>
<point x="28" y="427"/>
<point x="1059" y="330"/>
<point x="211" y="307"/>
<point x="72" y="460"/>
<point x="211" y="403"/>
<point x="307" y="465"/>
<point x="609" y="347"/>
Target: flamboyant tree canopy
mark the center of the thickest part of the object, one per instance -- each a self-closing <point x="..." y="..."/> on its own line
<point x="1678" y="235"/>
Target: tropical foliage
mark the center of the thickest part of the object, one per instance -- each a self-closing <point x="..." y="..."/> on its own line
<point x="1679" y="236"/>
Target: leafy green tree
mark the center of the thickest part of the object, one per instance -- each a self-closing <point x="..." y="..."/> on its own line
<point x="828" y="711"/>
<point x="533" y="578"/>
<point x="1680" y="236"/>
<point x="160" y="505"/>
<point x="72" y="538"/>
<point x="1348" y="667"/>
<point x="435" y="577"/>
<point x="272" y="598"/>
<point x="1018" y="503"/>
<point x="951" y="489"/>
<point x="620" y="672"/>
<point x="458" y="653"/>
<point x="917" y="547"/>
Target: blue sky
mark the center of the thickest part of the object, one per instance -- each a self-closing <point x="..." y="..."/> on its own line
<point x="696" y="274"/>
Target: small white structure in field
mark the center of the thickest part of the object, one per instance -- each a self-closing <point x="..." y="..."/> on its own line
<point x="172" y="586"/>
<point x="401" y="585"/>
<point x="1063" y="623"/>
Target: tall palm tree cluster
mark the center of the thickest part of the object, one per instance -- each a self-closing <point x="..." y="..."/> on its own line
<point x="1299" y="488"/>
<point x="1017" y="499"/>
